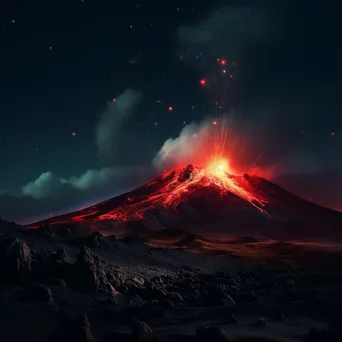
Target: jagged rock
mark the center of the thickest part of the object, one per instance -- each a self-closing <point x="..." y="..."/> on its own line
<point x="94" y="240"/>
<point x="89" y="269"/>
<point x="186" y="174"/>
<point x="142" y="332"/>
<point x="62" y="257"/>
<point x="15" y="259"/>
<point x="205" y="334"/>
<point x="261" y="322"/>
<point x="43" y="294"/>
<point x="216" y="295"/>
<point x="57" y="267"/>
<point x="77" y="329"/>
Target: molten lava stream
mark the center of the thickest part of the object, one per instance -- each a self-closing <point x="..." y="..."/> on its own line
<point x="178" y="183"/>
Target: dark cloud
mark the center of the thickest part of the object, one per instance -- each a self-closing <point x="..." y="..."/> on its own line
<point x="228" y="30"/>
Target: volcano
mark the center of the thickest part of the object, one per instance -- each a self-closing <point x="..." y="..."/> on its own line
<point x="209" y="201"/>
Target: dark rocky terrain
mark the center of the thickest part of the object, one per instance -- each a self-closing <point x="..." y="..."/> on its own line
<point x="166" y="286"/>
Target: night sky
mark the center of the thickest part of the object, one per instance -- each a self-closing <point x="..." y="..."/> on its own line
<point x="91" y="90"/>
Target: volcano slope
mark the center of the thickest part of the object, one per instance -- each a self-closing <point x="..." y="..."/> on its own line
<point x="210" y="202"/>
<point x="165" y="281"/>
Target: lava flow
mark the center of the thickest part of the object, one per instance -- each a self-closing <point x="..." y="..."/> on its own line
<point x="179" y="183"/>
<point x="169" y="191"/>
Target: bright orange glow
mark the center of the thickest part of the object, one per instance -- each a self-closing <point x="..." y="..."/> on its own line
<point x="208" y="157"/>
<point x="223" y="62"/>
<point x="170" y="190"/>
<point x="218" y="168"/>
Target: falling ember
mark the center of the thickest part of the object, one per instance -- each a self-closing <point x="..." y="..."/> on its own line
<point x="332" y="133"/>
<point x="73" y="134"/>
<point x="214" y="122"/>
<point x="203" y="82"/>
<point x="222" y="61"/>
<point x="170" y="109"/>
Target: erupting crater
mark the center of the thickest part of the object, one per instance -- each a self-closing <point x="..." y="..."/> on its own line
<point x="219" y="200"/>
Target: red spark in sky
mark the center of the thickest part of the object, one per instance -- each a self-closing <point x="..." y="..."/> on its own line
<point x="223" y="61"/>
<point x="214" y="122"/>
<point x="170" y="109"/>
<point x="332" y="133"/>
<point x="203" y="82"/>
<point x="73" y="134"/>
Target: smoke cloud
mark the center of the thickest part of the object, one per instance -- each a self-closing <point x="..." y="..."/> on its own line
<point x="51" y="194"/>
<point x="111" y="122"/>
<point x="227" y="31"/>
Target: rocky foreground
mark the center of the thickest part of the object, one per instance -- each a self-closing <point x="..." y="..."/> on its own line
<point x="63" y="288"/>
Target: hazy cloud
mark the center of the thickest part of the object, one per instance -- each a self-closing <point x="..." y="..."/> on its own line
<point x="50" y="193"/>
<point x="226" y="30"/>
<point x="113" y="119"/>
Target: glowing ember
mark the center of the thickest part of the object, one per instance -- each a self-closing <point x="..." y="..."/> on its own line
<point x="203" y="82"/>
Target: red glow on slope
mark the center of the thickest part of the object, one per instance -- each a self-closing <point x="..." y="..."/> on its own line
<point x="215" y="151"/>
<point x="178" y="184"/>
<point x="169" y="191"/>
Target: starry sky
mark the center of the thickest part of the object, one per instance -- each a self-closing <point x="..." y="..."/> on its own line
<point x="91" y="90"/>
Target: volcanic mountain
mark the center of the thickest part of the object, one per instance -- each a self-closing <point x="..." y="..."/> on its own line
<point x="208" y="201"/>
